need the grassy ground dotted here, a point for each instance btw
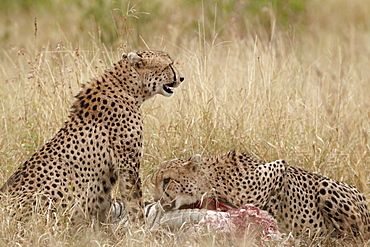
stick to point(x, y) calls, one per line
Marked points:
point(278, 81)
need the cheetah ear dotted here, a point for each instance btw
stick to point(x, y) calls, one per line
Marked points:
point(196, 158)
point(134, 58)
point(124, 55)
point(195, 162)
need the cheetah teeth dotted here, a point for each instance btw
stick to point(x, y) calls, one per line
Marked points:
point(167, 89)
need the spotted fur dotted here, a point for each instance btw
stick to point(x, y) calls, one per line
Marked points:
point(99, 146)
point(302, 202)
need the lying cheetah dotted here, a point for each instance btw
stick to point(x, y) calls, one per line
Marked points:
point(301, 202)
point(100, 145)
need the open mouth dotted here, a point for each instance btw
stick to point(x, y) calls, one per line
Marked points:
point(209, 204)
point(168, 88)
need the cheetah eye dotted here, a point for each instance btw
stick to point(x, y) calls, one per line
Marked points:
point(166, 181)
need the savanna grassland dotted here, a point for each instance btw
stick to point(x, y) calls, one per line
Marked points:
point(277, 79)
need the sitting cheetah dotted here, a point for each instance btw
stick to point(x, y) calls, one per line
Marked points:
point(100, 145)
point(301, 202)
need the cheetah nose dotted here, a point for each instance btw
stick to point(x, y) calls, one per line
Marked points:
point(156, 198)
point(181, 79)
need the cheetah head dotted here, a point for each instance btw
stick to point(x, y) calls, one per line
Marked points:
point(179, 182)
point(156, 71)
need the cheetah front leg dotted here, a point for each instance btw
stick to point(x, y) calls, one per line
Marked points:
point(130, 194)
point(125, 170)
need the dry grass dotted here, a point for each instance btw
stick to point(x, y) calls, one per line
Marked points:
point(299, 94)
